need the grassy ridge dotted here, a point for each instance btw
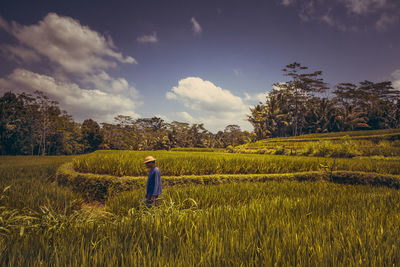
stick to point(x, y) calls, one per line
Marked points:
point(344, 144)
point(343, 148)
point(364, 134)
point(129, 163)
point(270, 223)
point(101, 186)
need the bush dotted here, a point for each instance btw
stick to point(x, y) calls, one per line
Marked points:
point(280, 151)
point(309, 149)
point(230, 149)
point(340, 149)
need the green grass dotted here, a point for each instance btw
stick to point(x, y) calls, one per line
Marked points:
point(129, 163)
point(343, 144)
point(284, 223)
point(32, 183)
point(197, 149)
point(335, 135)
point(100, 187)
point(273, 223)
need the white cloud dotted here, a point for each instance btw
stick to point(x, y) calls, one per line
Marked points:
point(187, 117)
point(81, 103)
point(396, 79)
point(214, 106)
point(201, 95)
point(150, 38)
point(258, 97)
point(349, 15)
point(216, 122)
point(164, 117)
point(287, 2)
point(328, 19)
point(105, 82)
point(67, 43)
point(385, 21)
point(170, 95)
point(196, 26)
point(76, 59)
point(364, 6)
point(19, 54)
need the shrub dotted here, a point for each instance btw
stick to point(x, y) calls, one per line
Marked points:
point(340, 149)
point(309, 149)
point(230, 149)
point(280, 151)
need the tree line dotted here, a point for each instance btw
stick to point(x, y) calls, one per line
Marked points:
point(306, 104)
point(35, 125)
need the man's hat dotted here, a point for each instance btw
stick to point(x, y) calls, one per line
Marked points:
point(149, 159)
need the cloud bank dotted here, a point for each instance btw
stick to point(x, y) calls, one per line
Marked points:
point(76, 59)
point(396, 79)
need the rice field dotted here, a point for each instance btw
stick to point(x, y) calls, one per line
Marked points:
point(171, 163)
point(361, 134)
point(341, 144)
point(269, 223)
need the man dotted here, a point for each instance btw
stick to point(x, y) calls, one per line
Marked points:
point(153, 189)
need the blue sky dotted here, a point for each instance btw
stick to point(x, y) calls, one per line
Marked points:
point(194, 61)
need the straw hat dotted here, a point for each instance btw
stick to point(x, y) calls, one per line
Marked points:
point(149, 159)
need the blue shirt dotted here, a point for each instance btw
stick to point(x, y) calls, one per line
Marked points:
point(154, 183)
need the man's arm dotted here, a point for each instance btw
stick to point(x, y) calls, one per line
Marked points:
point(157, 180)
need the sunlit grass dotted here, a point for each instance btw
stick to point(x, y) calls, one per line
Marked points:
point(285, 223)
point(130, 163)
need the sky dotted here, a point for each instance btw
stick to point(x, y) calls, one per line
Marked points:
point(193, 61)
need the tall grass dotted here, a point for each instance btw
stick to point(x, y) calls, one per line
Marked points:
point(286, 223)
point(271, 223)
point(129, 163)
point(31, 183)
point(345, 147)
point(354, 134)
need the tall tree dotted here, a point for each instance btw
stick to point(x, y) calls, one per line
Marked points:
point(91, 135)
point(286, 105)
point(301, 86)
point(12, 123)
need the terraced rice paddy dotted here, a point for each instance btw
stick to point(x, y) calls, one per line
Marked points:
point(129, 163)
point(284, 223)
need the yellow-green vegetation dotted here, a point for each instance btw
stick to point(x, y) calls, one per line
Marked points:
point(218, 209)
point(364, 134)
point(197, 149)
point(31, 182)
point(129, 163)
point(343, 144)
point(101, 186)
point(283, 223)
